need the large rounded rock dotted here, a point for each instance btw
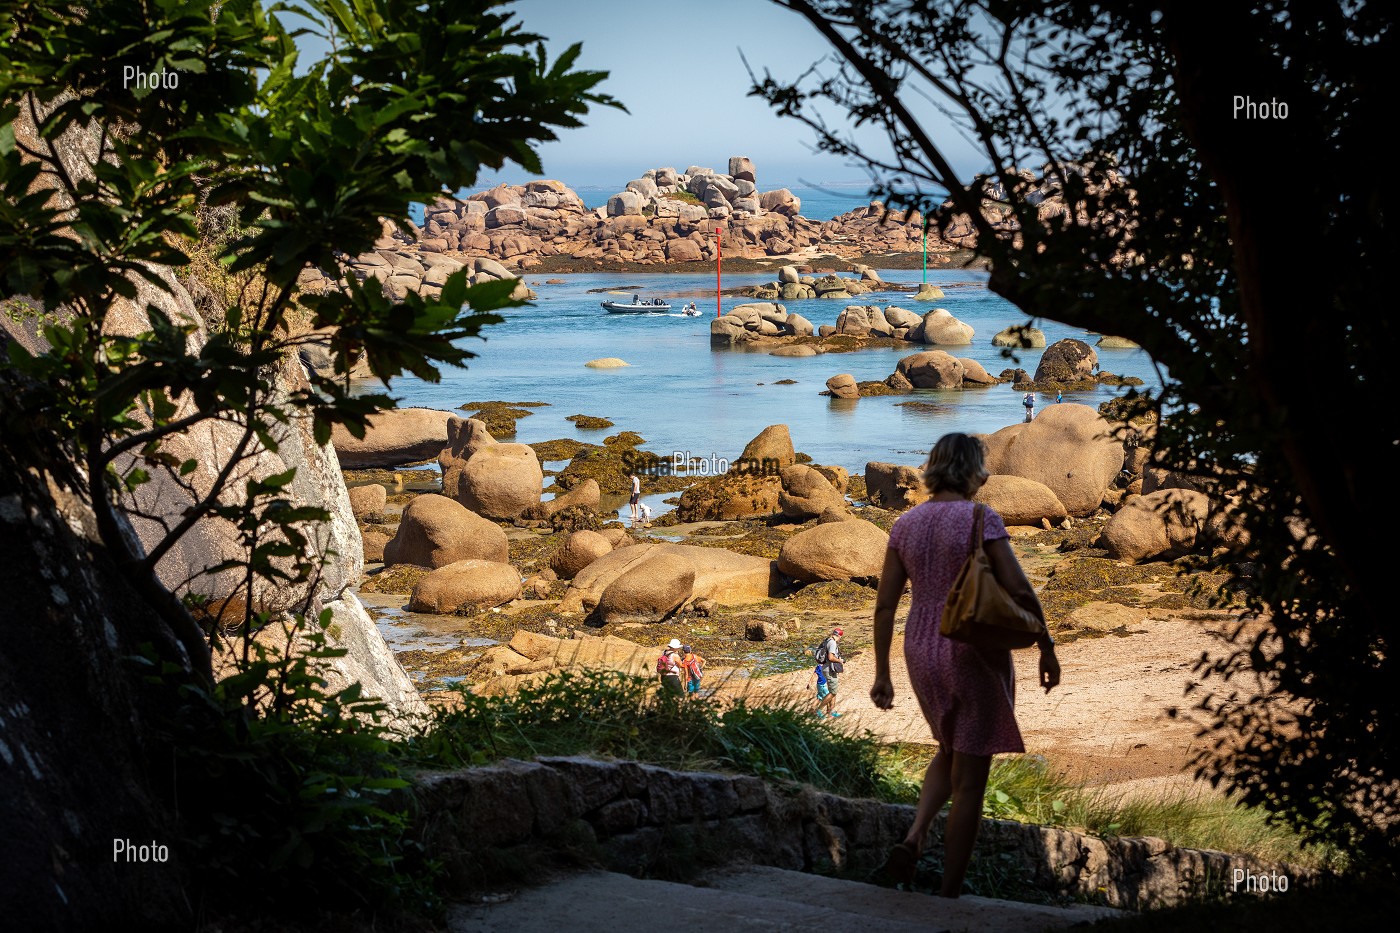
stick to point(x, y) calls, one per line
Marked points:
point(393, 438)
point(1068, 447)
point(607, 362)
point(577, 551)
point(843, 385)
point(368, 500)
point(373, 541)
point(940, 328)
point(1021, 501)
point(585, 495)
point(899, 317)
point(928, 292)
point(853, 550)
point(1116, 343)
point(464, 438)
point(807, 493)
point(649, 591)
point(1165, 523)
point(465, 582)
point(770, 451)
point(894, 487)
point(974, 373)
point(798, 326)
point(931, 369)
point(741, 167)
point(501, 481)
point(436, 531)
point(1023, 337)
point(1067, 360)
point(730, 496)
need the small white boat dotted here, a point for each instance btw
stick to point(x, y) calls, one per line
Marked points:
point(654, 306)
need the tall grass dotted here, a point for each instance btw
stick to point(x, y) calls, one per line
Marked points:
point(607, 713)
point(610, 714)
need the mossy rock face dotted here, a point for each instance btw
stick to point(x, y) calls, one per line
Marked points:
point(756, 539)
point(730, 496)
point(872, 389)
point(500, 418)
point(855, 488)
point(786, 382)
point(399, 578)
point(589, 422)
point(562, 448)
point(499, 404)
point(575, 518)
point(531, 553)
point(624, 439)
point(611, 467)
point(833, 594)
point(1135, 410)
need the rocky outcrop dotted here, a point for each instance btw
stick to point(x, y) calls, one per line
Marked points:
point(894, 487)
point(931, 369)
point(394, 438)
point(501, 481)
point(770, 451)
point(652, 588)
point(1067, 360)
point(436, 531)
point(577, 551)
point(1165, 524)
point(806, 493)
point(730, 496)
point(368, 500)
point(940, 328)
point(843, 385)
point(1068, 448)
point(1021, 501)
point(1019, 336)
point(720, 575)
point(584, 495)
point(850, 550)
point(478, 583)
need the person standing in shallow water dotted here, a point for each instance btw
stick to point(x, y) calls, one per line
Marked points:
point(635, 498)
point(966, 693)
point(1029, 403)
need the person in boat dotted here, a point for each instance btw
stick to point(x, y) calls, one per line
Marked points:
point(636, 299)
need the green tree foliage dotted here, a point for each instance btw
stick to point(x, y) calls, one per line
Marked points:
point(1124, 192)
point(134, 136)
point(119, 121)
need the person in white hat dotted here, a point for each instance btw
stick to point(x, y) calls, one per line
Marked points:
point(668, 667)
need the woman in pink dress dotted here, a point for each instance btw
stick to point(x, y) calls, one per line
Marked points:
point(967, 693)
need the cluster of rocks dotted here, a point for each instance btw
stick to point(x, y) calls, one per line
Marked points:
point(401, 263)
point(1068, 363)
point(796, 283)
point(664, 216)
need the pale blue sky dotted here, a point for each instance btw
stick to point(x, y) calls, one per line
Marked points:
point(675, 64)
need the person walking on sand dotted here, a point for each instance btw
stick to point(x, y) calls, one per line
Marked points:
point(830, 664)
point(1029, 403)
point(819, 675)
point(966, 693)
point(668, 668)
point(635, 498)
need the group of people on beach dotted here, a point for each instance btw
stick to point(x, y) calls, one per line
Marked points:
point(1029, 402)
point(681, 670)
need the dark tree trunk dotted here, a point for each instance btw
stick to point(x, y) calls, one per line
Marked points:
point(80, 765)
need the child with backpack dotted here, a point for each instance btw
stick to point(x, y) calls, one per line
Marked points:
point(829, 665)
point(693, 665)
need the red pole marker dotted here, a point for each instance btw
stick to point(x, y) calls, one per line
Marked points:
point(719, 265)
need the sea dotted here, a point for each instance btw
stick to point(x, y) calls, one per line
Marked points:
point(689, 399)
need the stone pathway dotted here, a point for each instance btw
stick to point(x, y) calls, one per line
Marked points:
point(761, 900)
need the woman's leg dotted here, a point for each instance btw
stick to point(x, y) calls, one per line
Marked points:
point(937, 787)
point(969, 779)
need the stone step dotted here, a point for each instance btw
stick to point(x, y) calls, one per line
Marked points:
point(752, 900)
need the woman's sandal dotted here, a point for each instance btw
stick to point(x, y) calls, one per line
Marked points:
point(900, 864)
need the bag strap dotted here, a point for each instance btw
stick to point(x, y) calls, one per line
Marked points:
point(978, 512)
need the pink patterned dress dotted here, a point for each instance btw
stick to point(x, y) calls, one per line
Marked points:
point(967, 694)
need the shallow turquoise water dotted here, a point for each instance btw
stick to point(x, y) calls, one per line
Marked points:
point(682, 396)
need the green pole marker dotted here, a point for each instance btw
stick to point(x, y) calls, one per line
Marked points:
point(925, 249)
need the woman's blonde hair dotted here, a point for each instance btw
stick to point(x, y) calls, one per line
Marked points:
point(958, 463)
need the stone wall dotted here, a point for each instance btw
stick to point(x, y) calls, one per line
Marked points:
point(633, 813)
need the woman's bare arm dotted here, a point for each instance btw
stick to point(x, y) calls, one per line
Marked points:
point(1013, 579)
point(892, 579)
